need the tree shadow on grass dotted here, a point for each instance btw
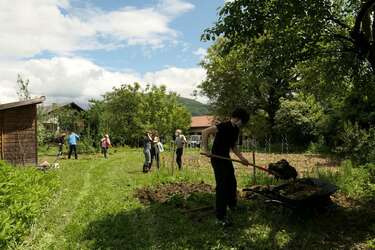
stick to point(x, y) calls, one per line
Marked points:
point(169, 226)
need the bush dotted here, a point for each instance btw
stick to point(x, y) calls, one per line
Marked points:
point(23, 194)
point(44, 136)
point(85, 146)
point(357, 182)
point(318, 147)
point(356, 144)
point(301, 119)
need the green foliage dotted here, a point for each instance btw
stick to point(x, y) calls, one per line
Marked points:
point(301, 119)
point(44, 136)
point(85, 146)
point(126, 112)
point(357, 182)
point(23, 195)
point(319, 147)
point(259, 126)
point(239, 78)
point(356, 143)
point(70, 119)
point(269, 54)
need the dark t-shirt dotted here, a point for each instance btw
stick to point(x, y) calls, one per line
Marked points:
point(146, 143)
point(60, 139)
point(225, 139)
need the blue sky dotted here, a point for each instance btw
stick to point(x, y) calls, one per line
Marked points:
point(78, 50)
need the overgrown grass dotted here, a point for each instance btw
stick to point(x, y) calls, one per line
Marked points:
point(95, 208)
point(355, 182)
point(24, 192)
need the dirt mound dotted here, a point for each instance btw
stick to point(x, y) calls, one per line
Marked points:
point(283, 170)
point(164, 193)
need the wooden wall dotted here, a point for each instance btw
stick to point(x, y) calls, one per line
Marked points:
point(18, 135)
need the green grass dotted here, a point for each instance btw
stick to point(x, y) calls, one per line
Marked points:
point(95, 208)
point(24, 193)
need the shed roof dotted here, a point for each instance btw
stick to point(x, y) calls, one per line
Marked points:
point(22, 103)
point(202, 121)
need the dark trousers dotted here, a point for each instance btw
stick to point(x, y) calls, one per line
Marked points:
point(226, 186)
point(71, 149)
point(60, 153)
point(179, 153)
point(105, 151)
point(156, 156)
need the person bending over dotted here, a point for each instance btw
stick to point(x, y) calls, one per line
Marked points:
point(226, 137)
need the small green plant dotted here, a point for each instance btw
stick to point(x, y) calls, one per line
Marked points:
point(23, 195)
point(355, 182)
point(318, 147)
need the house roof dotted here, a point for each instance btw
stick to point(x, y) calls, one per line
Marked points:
point(22, 103)
point(53, 108)
point(202, 121)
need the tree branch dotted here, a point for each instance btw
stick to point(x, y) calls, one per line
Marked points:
point(361, 14)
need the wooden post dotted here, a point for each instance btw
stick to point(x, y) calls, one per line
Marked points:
point(36, 134)
point(254, 170)
point(173, 150)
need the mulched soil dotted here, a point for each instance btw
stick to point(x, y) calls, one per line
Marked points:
point(163, 193)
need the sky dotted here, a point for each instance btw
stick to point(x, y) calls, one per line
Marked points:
point(74, 50)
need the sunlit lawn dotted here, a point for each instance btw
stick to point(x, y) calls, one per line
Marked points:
point(95, 208)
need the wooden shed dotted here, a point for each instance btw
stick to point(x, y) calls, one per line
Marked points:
point(18, 132)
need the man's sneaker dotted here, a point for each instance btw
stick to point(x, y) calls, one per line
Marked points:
point(224, 222)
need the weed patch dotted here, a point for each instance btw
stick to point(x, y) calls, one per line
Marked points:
point(23, 194)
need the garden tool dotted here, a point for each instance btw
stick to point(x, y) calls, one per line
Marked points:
point(281, 169)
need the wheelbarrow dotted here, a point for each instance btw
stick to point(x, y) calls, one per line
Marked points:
point(300, 195)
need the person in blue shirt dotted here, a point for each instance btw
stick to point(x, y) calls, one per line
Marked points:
point(72, 141)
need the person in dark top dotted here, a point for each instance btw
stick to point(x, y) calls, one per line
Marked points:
point(60, 141)
point(226, 137)
point(147, 140)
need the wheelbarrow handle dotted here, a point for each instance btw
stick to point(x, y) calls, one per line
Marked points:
point(239, 161)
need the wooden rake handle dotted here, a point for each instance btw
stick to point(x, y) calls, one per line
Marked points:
point(239, 161)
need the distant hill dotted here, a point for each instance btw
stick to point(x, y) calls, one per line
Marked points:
point(195, 107)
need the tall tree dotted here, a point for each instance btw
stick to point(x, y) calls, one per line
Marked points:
point(297, 30)
point(239, 77)
point(126, 112)
point(23, 88)
point(326, 47)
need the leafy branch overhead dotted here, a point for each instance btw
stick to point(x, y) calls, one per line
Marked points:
point(308, 62)
point(295, 31)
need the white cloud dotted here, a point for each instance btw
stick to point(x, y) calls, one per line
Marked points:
point(63, 79)
point(135, 26)
point(175, 7)
point(180, 80)
point(30, 27)
point(201, 52)
point(33, 26)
